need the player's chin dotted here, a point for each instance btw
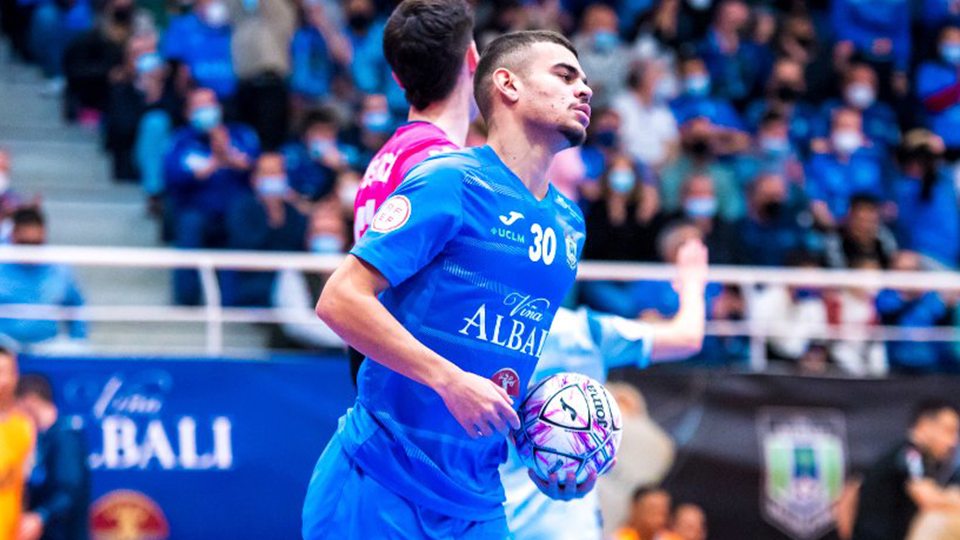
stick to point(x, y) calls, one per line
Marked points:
point(575, 134)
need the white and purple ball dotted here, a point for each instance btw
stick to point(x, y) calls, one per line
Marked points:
point(569, 423)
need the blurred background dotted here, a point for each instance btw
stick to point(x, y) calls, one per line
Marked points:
point(812, 145)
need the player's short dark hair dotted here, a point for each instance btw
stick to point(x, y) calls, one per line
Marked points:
point(424, 42)
point(929, 408)
point(28, 215)
point(34, 384)
point(496, 54)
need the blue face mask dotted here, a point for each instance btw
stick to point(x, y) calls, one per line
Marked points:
point(700, 207)
point(148, 63)
point(377, 122)
point(697, 85)
point(205, 118)
point(326, 244)
point(320, 147)
point(622, 180)
point(775, 145)
point(950, 52)
point(272, 185)
point(607, 139)
point(605, 41)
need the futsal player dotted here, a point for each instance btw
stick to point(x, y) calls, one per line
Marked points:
point(450, 294)
point(429, 46)
point(591, 343)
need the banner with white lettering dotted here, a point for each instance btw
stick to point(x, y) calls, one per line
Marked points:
point(199, 449)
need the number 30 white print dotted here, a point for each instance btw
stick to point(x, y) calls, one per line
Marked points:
point(544, 244)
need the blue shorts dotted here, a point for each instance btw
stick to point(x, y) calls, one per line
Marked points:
point(343, 503)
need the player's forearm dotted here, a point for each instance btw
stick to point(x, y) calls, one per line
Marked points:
point(682, 336)
point(360, 319)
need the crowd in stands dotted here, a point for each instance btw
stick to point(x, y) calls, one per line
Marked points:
point(805, 133)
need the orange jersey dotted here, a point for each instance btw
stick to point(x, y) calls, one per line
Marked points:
point(17, 436)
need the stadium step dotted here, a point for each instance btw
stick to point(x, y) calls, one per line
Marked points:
point(65, 165)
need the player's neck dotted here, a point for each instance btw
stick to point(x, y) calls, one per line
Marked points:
point(451, 115)
point(528, 159)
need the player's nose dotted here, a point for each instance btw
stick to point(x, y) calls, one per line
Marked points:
point(584, 92)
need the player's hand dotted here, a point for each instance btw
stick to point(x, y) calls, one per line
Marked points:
point(479, 405)
point(568, 490)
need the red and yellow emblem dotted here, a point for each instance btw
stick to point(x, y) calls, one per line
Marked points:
point(127, 515)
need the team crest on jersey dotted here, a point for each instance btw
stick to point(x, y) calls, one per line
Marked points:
point(804, 462)
point(507, 379)
point(392, 215)
point(571, 243)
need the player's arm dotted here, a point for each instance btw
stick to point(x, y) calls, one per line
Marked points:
point(927, 495)
point(682, 336)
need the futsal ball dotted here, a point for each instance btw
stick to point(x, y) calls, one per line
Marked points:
point(568, 423)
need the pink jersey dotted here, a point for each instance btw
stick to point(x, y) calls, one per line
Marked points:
point(409, 145)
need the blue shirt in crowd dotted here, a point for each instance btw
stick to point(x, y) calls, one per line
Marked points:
point(312, 68)
point(190, 151)
point(370, 71)
point(932, 78)
point(931, 226)
point(770, 243)
point(835, 181)
point(205, 50)
point(800, 120)
point(864, 21)
point(734, 76)
point(936, 13)
point(718, 110)
point(925, 311)
point(879, 123)
point(39, 284)
point(477, 268)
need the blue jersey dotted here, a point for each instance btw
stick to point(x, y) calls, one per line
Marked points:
point(477, 268)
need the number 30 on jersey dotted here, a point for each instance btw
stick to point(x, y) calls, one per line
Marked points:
point(544, 244)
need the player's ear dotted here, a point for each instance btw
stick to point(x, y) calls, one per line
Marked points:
point(472, 58)
point(507, 84)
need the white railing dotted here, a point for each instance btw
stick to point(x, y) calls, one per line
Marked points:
point(215, 315)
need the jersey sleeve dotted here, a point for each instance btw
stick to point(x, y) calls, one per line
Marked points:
point(622, 342)
point(428, 149)
point(415, 223)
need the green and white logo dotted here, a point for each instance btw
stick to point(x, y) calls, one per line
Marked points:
point(804, 463)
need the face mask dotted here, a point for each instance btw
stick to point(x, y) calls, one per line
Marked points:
point(272, 185)
point(774, 145)
point(359, 22)
point(847, 142)
point(320, 147)
point(326, 244)
point(699, 5)
point(699, 149)
point(377, 122)
point(787, 93)
point(622, 180)
point(665, 90)
point(950, 52)
point(861, 96)
point(205, 118)
point(605, 41)
point(4, 182)
point(216, 14)
point(697, 85)
point(700, 207)
point(607, 139)
point(148, 63)
point(771, 210)
point(348, 194)
point(123, 15)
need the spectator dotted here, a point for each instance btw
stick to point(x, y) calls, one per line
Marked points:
point(794, 315)
point(54, 24)
point(603, 56)
point(17, 435)
point(206, 170)
point(698, 202)
point(696, 102)
point(314, 161)
point(201, 41)
point(734, 64)
point(928, 217)
point(842, 168)
point(938, 86)
point(907, 478)
point(319, 49)
point(648, 128)
point(702, 142)
point(916, 309)
point(688, 523)
point(262, 33)
point(273, 218)
point(863, 236)
point(774, 152)
point(880, 31)
point(859, 91)
point(91, 61)
point(296, 292)
point(37, 284)
point(369, 70)
point(58, 491)
point(649, 515)
point(376, 125)
point(126, 105)
point(772, 228)
point(162, 108)
point(854, 309)
point(784, 95)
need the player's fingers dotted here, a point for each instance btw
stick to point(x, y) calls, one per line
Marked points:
point(587, 485)
point(510, 415)
point(483, 429)
point(570, 485)
point(554, 486)
point(470, 428)
point(499, 425)
point(503, 393)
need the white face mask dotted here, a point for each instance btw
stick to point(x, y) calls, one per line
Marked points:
point(348, 194)
point(4, 182)
point(861, 96)
point(216, 14)
point(847, 142)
